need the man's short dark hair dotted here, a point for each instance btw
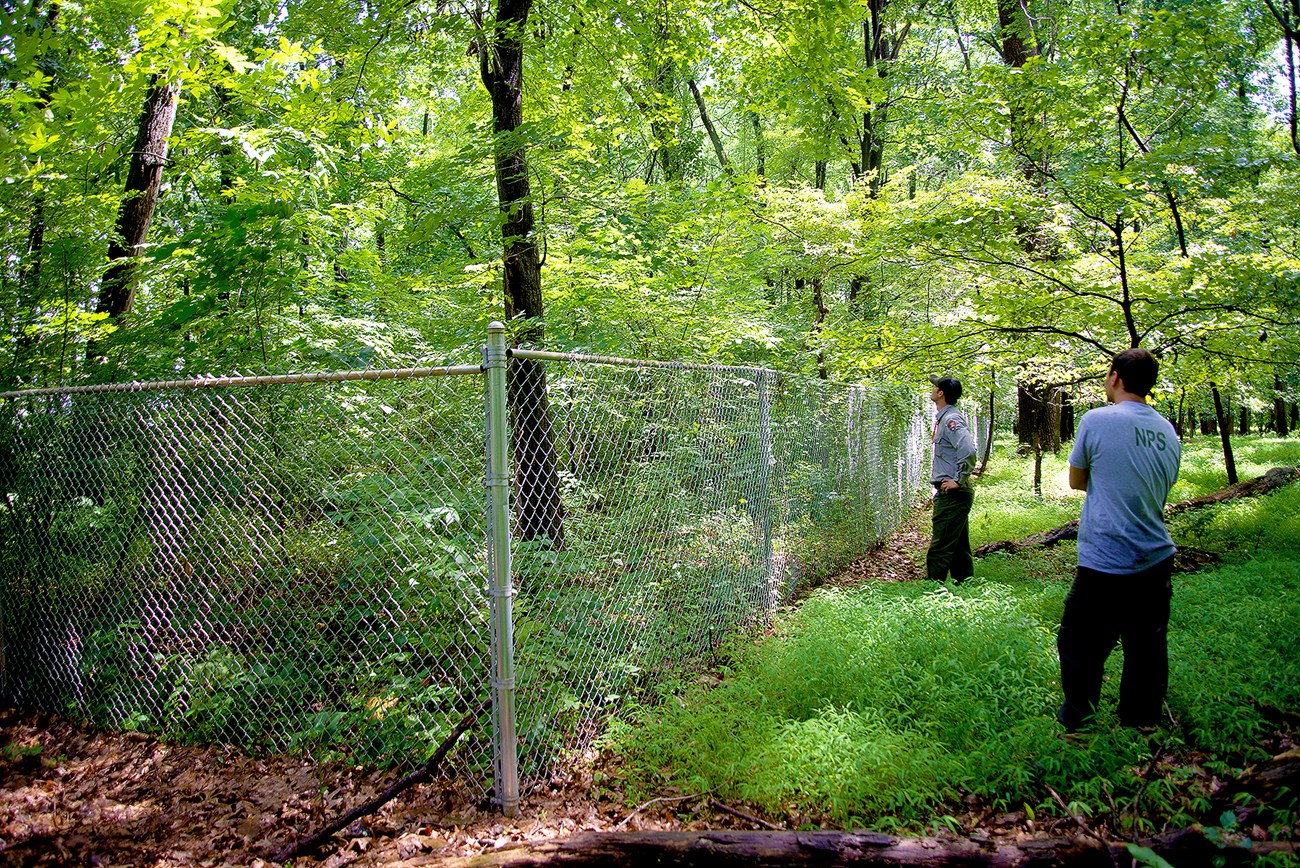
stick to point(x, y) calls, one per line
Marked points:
point(950, 386)
point(1138, 370)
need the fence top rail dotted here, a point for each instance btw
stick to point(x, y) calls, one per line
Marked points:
point(542, 355)
point(239, 381)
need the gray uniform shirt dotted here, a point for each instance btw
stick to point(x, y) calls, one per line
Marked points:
point(1131, 454)
point(954, 447)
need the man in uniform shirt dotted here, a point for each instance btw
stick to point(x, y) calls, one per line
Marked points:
point(1126, 457)
point(950, 469)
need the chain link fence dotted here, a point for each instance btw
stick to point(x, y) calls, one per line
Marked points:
point(283, 566)
point(308, 566)
point(695, 501)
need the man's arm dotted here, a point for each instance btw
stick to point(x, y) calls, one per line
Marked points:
point(1078, 478)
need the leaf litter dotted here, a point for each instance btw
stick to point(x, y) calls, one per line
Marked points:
point(73, 796)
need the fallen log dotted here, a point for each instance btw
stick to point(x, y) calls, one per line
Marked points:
point(1046, 539)
point(1269, 482)
point(1268, 781)
point(825, 849)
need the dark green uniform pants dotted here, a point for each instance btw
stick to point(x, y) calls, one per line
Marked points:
point(1103, 609)
point(950, 544)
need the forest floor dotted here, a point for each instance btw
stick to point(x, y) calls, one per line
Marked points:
point(73, 796)
point(70, 795)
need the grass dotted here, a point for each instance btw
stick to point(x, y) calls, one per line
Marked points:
point(1006, 507)
point(894, 706)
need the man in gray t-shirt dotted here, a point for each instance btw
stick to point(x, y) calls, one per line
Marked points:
point(1126, 457)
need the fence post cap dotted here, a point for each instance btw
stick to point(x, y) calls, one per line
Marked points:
point(496, 326)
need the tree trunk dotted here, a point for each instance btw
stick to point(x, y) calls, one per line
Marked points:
point(708, 126)
point(877, 51)
point(143, 182)
point(1287, 13)
point(29, 269)
point(1179, 427)
point(1243, 422)
point(539, 512)
point(819, 293)
point(1279, 408)
point(873, 150)
point(41, 20)
point(226, 152)
point(1067, 417)
point(1038, 420)
point(760, 148)
point(819, 303)
point(29, 266)
point(1015, 30)
point(1225, 434)
point(664, 131)
point(1266, 484)
point(1293, 121)
point(29, 289)
point(988, 442)
point(1166, 190)
point(1017, 46)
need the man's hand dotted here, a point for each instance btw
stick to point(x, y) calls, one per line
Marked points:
point(948, 485)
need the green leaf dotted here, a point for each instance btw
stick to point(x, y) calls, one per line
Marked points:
point(185, 310)
point(1147, 856)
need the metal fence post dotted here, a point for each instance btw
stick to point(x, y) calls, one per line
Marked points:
point(773, 591)
point(501, 589)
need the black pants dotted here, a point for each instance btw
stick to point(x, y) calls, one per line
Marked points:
point(1100, 610)
point(950, 543)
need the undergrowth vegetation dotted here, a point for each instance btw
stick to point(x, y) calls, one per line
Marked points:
point(899, 706)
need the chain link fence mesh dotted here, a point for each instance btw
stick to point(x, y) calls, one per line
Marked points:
point(305, 567)
point(693, 501)
point(287, 568)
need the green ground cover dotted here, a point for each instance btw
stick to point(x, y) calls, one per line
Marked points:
point(1006, 508)
point(896, 706)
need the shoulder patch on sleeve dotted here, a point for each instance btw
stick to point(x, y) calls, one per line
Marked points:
point(952, 424)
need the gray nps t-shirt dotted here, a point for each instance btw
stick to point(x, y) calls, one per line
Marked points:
point(1131, 454)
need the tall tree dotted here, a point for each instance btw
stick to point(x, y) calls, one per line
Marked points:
point(881, 44)
point(540, 511)
point(1287, 15)
point(140, 197)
